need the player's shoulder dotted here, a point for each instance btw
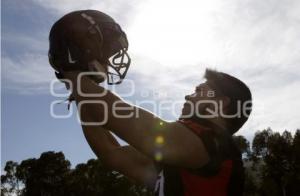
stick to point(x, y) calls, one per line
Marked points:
point(177, 125)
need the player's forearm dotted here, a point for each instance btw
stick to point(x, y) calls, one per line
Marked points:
point(134, 165)
point(140, 132)
point(101, 106)
point(100, 140)
point(91, 98)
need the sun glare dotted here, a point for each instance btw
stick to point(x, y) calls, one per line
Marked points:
point(175, 33)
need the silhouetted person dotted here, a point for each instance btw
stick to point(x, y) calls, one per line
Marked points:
point(192, 156)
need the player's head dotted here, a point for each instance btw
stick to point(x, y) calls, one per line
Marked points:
point(89, 40)
point(223, 94)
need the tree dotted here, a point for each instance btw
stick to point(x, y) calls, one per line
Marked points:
point(276, 154)
point(272, 168)
point(293, 187)
point(94, 179)
point(259, 144)
point(44, 176)
point(243, 144)
point(51, 175)
point(10, 184)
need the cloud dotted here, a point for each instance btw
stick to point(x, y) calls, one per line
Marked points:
point(27, 73)
point(276, 108)
point(172, 42)
point(25, 43)
point(256, 33)
point(118, 9)
point(25, 38)
point(256, 41)
point(227, 33)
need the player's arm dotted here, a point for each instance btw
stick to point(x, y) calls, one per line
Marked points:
point(124, 159)
point(179, 145)
point(133, 164)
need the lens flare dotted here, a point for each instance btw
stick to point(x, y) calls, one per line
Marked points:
point(159, 140)
point(158, 156)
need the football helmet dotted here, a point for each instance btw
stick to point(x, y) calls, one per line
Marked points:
point(89, 40)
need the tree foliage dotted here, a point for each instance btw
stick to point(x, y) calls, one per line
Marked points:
point(275, 159)
point(243, 144)
point(272, 168)
point(51, 174)
point(9, 181)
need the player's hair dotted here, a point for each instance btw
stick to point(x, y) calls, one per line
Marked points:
point(238, 92)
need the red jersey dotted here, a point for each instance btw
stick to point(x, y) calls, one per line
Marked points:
point(223, 175)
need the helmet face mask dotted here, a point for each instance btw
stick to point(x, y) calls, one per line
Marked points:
point(86, 41)
point(118, 67)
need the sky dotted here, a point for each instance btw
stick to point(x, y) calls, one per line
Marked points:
point(171, 44)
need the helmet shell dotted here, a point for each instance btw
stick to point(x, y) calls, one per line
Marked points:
point(84, 36)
